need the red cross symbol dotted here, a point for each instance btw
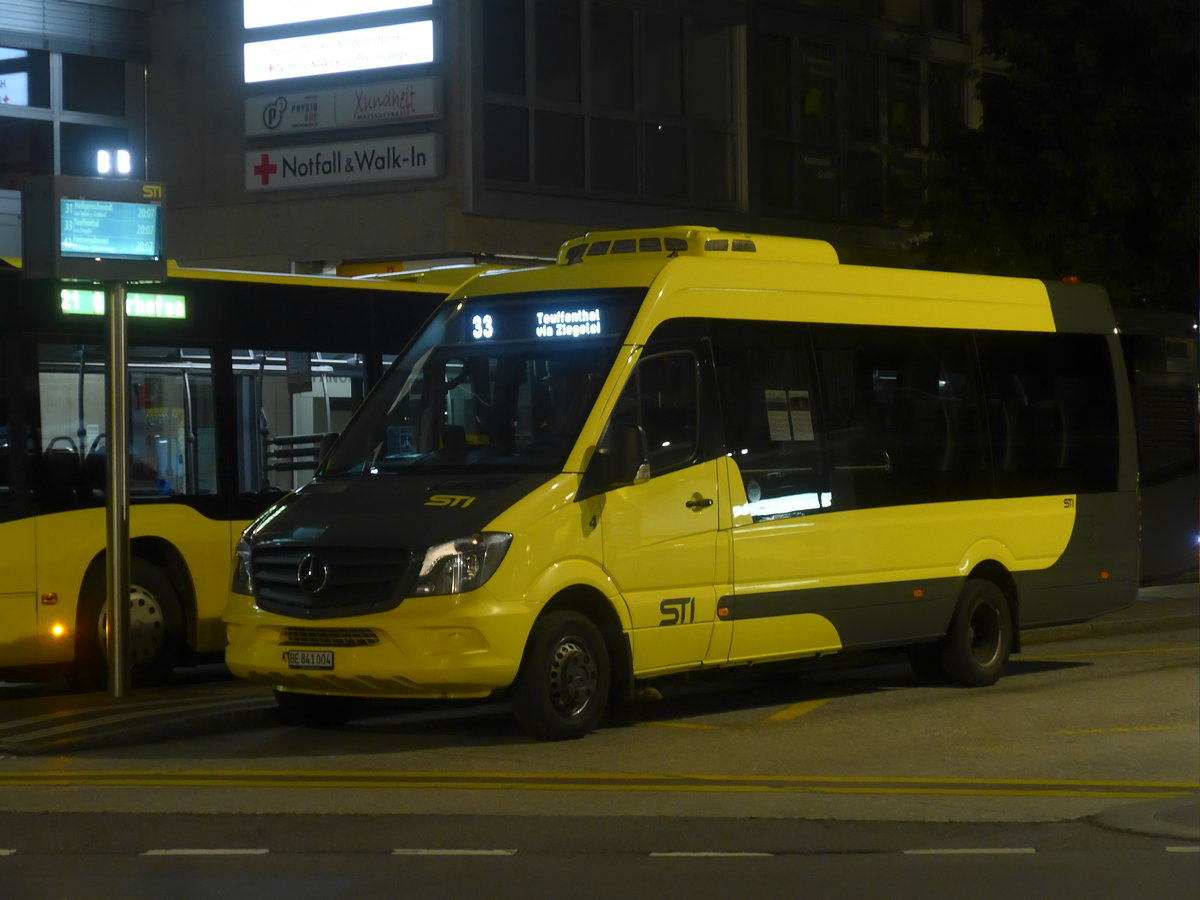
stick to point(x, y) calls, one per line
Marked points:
point(265, 169)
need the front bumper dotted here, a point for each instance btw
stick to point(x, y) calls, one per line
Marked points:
point(428, 647)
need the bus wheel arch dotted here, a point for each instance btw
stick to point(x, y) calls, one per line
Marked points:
point(576, 660)
point(161, 613)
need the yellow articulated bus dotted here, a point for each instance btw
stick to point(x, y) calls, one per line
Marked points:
point(680, 449)
point(233, 379)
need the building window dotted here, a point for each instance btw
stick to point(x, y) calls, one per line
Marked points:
point(26, 148)
point(24, 78)
point(61, 113)
point(841, 133)
point(93, 85)
point(606, 100)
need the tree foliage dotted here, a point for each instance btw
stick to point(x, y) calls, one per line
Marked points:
point(1085, 162)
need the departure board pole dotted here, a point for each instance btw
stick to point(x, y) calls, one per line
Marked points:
point(116, 417)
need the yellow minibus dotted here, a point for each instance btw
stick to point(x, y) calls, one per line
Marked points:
point(678, 449)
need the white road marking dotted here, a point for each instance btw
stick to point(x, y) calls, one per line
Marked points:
point(209, 851)
point(716, 853)
point(452, 851)
point(966, 851)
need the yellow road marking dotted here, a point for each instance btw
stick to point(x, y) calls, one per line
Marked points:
point(1127, 729)
point(607, 782)
point(796, 710)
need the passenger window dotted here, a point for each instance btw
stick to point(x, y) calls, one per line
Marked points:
point(772, 427)
point(171, 438)
point(902, 415)
point(1051, 412)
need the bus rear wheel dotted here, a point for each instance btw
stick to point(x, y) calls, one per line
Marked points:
point(562, 688)
point(976, 648)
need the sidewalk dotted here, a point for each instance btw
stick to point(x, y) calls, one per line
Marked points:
point(1157, 608)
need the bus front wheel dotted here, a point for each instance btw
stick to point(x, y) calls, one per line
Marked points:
point(562, 688)
point(155, 636)
point(977, 645)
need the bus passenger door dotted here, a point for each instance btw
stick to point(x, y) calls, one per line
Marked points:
point(18, 599)
point(18, 588)
point(660, 532)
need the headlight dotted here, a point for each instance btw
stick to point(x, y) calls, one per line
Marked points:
point(461, 565)
point(243, 580)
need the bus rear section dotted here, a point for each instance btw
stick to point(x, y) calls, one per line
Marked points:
point(684, 449)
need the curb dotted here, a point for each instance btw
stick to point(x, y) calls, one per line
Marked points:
point(1157, 818)
point(1100, 627)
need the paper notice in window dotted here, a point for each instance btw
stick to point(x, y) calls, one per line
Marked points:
point(801, 416)
point(777, 415)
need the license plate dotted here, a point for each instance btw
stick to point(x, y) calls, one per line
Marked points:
point(310, 659)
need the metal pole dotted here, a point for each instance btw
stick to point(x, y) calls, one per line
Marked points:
point(116, 416)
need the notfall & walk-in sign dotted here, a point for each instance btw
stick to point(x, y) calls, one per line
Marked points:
point(393, 158)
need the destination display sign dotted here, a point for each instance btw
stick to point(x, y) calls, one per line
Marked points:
point(80, 302)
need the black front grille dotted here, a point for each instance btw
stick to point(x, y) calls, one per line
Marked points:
point(321, 582)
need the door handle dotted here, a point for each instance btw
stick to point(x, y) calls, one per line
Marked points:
point(699, 503)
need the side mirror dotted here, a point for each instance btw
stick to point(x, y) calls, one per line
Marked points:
point(619, 460)
point(624, 455)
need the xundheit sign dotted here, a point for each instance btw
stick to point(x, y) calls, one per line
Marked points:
point(345, 162)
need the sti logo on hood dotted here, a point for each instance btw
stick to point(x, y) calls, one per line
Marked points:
point(460, 500)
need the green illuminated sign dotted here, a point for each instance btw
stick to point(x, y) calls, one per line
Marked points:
point(76, 302)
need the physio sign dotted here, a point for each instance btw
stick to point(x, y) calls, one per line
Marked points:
point(379, 103)
point(391, 158)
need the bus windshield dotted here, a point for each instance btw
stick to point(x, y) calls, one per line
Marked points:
point(498, 383)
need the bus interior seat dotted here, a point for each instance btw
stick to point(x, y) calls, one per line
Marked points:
point(60, 470)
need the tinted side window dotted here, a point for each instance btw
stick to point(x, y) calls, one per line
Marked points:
point(771, 427)
point(1052, 412)
point(663, 400)
point(901, 415)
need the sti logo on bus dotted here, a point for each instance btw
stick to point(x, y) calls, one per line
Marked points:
point(680, 611)
point(460, 500)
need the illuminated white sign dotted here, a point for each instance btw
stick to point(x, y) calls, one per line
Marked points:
point(261, 13)
point(385, 102)
point(14, 89)
point(407, 44)
point(579, 323)
point(379, 159)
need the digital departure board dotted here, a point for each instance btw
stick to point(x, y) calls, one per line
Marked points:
point(93, 229)
point(109, 228)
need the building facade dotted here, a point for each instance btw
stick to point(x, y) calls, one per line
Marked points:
point(310, 136)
